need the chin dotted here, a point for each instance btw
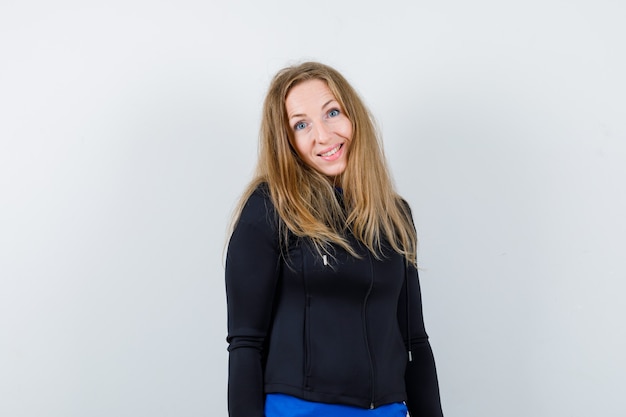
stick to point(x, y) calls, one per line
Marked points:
point(334, 173)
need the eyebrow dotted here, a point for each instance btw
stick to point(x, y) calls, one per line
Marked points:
point(323, 107)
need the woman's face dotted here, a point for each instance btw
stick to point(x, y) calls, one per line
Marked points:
point(321, 130)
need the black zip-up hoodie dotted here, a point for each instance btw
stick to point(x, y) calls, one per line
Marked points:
point(332, 328)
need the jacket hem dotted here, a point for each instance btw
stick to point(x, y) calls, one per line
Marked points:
point(332, 398)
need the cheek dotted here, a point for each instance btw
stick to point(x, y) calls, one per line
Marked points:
point(302, 146)
point(347, 131)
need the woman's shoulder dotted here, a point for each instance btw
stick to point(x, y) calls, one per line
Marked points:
point(403, 204)
point(258, 208)
point(262, 190)
point(259, 197)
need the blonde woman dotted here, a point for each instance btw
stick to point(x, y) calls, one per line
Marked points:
point(324, 307)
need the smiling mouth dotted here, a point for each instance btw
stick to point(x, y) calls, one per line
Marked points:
point(332, 151)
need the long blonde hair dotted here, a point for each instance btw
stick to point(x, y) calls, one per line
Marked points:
point(305, 200)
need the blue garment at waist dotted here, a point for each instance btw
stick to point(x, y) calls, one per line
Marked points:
point(281, 405)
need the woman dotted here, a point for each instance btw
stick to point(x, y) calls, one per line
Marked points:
point(324, 307)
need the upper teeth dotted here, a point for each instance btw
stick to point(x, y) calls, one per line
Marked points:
point(332, 151)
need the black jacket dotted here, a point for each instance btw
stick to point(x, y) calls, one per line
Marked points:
point(331, 329)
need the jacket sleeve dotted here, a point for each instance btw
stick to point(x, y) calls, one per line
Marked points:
point(422, 387)
point(252, 269)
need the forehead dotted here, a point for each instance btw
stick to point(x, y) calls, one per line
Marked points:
point(310, 93)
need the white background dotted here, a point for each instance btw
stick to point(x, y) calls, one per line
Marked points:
point(128, 129)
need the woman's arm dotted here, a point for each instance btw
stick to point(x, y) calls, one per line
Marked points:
point(252, 269)
point(422, 387)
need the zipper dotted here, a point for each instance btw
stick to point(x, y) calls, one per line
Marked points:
point(367, 346)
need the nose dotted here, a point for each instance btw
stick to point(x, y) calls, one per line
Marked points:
point(322, 133)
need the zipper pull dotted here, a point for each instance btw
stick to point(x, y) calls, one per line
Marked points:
point(325, 259)
point(371, 406)
point(410, 356)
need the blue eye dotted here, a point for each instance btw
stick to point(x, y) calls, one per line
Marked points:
point(299, 126)
point(333, 113)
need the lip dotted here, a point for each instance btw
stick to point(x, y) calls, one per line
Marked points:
point(334, 156)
